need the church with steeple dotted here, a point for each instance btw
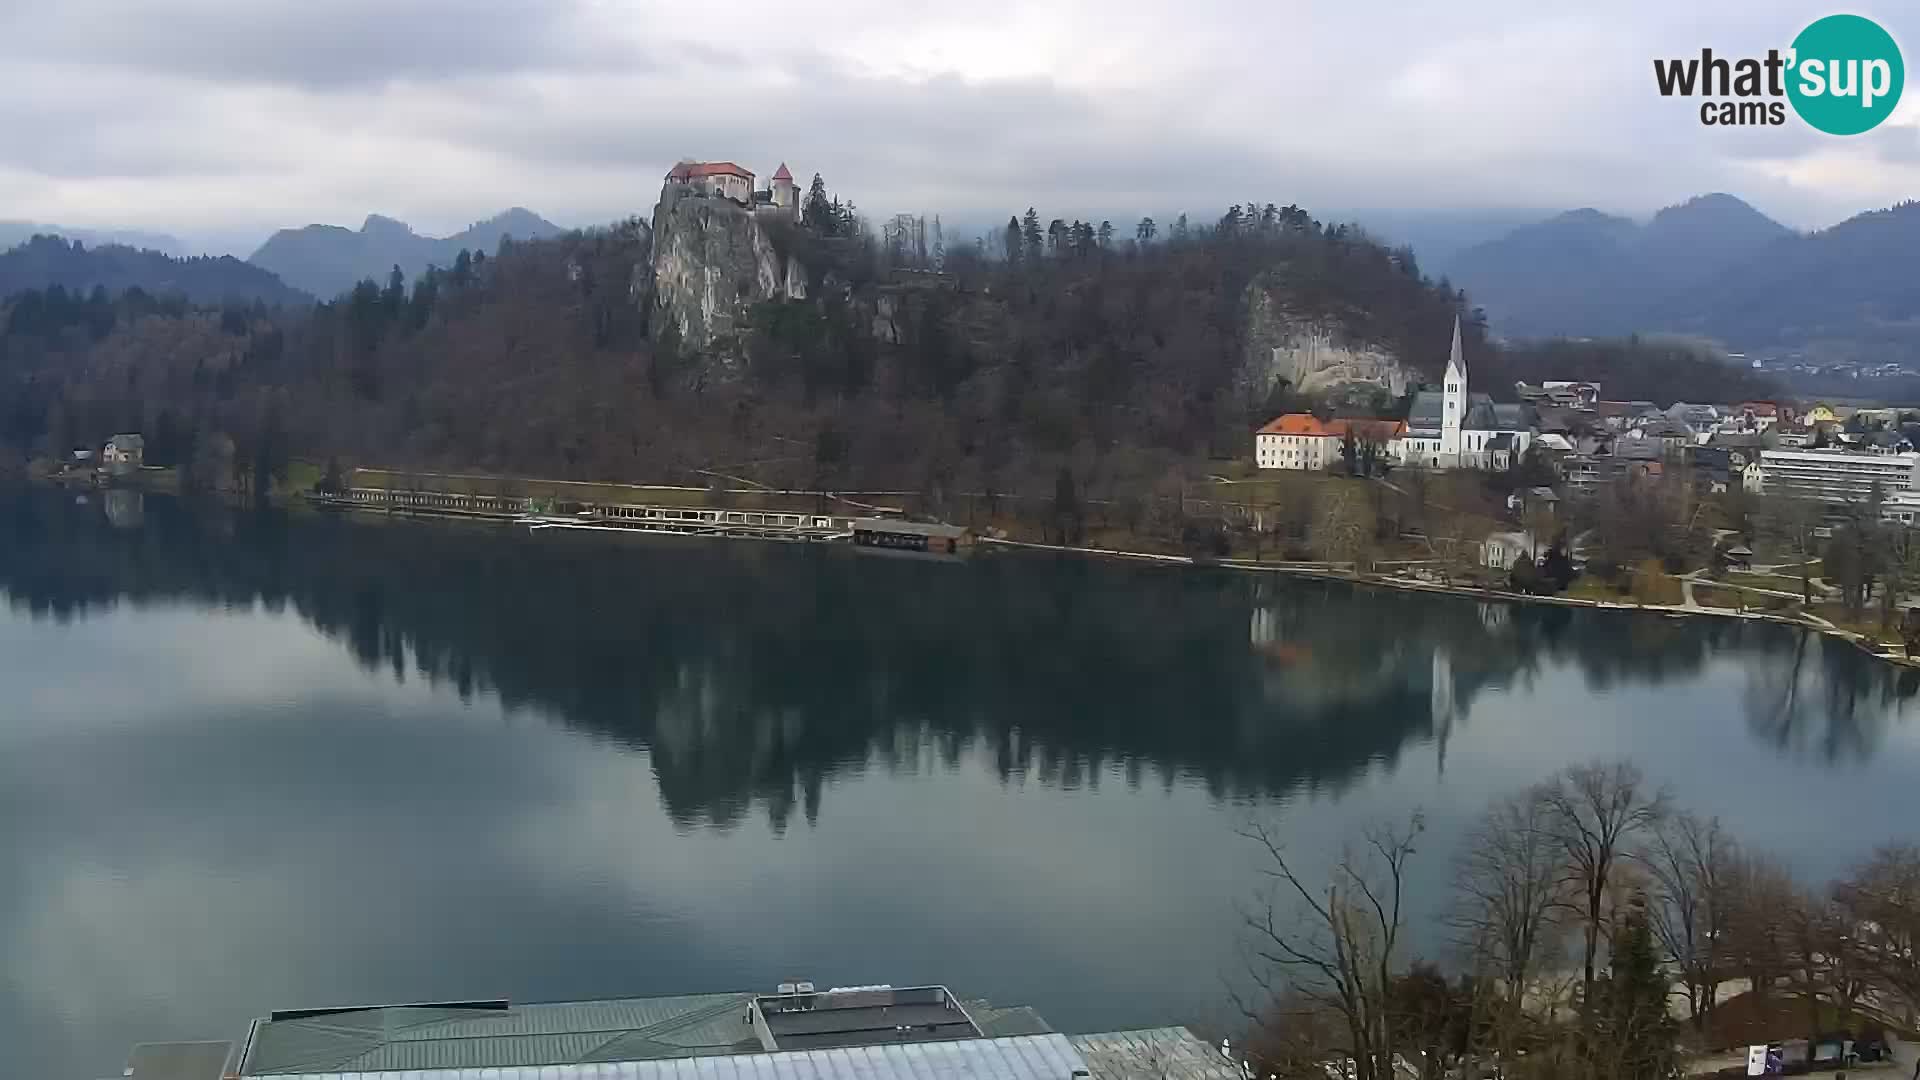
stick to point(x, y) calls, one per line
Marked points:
point(1454, 428)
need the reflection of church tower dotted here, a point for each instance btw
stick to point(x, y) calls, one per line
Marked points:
point(1440, 705)
point(1455, 409)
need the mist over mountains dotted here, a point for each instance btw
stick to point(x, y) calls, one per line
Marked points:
point(327, 260)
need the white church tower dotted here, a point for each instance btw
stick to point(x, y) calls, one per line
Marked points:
point(1455, 410)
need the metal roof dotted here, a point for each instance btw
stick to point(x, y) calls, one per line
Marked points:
point(1021, 1057)
point(909, 528)
point(430, 1037)
point(1169, 1053)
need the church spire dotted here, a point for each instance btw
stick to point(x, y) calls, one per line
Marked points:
point(1454, 360)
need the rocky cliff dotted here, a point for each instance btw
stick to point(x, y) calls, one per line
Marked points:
point(1312, 356)
point(713, 260)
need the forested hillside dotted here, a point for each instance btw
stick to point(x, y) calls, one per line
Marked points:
point(1123, 358)
point(45, 261)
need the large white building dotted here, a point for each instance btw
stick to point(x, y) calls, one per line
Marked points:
point(1836, 476)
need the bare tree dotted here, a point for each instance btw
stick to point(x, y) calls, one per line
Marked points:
point(1507, 881)
point(1692, 861)
point(1342, 528)
point(1598, 811)
point(1793, 520)
point(1881, 902)
point(1337, 949)
point(1756, 939)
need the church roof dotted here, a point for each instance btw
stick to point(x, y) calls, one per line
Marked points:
point(1428, 407)
point(781, 173)
point(1484, 415)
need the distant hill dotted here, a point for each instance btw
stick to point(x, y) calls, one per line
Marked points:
point(1585, 273)
point(1852, 290)
point(1712, 267)
point(45, 261)
point(327, 260)
point(15, 233)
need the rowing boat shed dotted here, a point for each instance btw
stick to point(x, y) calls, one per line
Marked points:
point(857, 1033)
point(910, 535)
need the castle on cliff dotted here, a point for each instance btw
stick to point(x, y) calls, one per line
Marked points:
point(725, 180)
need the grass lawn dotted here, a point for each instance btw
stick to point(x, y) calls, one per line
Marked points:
point(1780, 582)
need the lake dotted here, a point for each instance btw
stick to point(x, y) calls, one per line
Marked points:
point(251, 762)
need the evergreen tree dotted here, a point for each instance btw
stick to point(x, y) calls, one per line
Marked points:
point(1634, 1032)
point(394, 297)
point(1015, 245)
point(463, 269)
point(1056, 236)
point(818, 212)
point(1106, 235)
point(1144, 231)
point(1030, 235)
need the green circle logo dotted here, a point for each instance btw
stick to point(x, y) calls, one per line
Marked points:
point(1846, 74)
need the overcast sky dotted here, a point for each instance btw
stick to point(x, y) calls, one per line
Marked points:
point(220, 120)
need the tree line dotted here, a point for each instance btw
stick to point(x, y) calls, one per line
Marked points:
point(1119, 360)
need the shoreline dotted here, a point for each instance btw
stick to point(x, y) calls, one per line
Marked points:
point(1320, 571)
point(1324, 573)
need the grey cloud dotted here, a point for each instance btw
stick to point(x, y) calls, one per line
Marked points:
point(218, 116)
point(328, 45)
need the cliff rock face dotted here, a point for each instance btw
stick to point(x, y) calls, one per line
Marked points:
point(1310, 355)
point(713, 260)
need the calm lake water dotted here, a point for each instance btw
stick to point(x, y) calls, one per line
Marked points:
point(251, 762)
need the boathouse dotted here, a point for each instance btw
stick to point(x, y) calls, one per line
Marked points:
point(910, 535)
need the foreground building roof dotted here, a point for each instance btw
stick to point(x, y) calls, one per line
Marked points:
point(730, 1036)
point(1020, 1057)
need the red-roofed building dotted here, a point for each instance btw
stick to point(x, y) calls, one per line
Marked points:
point(715, 178)
point(1295, 441)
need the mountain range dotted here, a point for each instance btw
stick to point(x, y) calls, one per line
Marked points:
point(1586, 273)
point(1711, 266)
point(14, 233)
point(45, 261)
point(327, 260)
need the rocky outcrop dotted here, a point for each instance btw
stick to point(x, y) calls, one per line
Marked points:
point(1312, 356)
point(713, 260)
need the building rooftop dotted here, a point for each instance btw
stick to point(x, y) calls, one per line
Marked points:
point(1020, 1057)
point(805, 1020)
point(900, 527)
point(1170, 1053)
point(501, 1035)
point(497, 1034)
point(688, 170)
point(1294, 424)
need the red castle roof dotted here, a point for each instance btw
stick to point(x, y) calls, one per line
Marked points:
point(688, 170)
point(782, 173)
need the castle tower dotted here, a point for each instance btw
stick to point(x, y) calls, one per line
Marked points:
point(785, 195)
point(1455, 395)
